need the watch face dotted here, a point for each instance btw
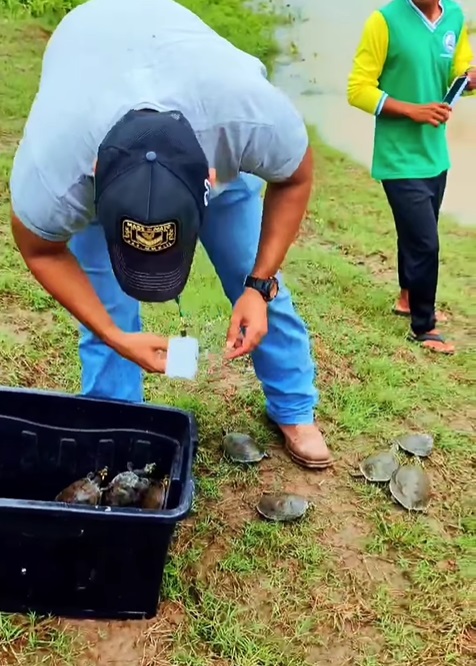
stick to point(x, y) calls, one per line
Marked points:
point(273, 289)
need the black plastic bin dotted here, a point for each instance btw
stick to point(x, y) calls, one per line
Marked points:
point(76, 561)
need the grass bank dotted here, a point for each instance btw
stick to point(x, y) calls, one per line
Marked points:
point(358, 581)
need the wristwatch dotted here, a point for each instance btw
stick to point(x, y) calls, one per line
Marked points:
point(268, 288)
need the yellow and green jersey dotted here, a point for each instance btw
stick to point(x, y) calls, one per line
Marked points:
point(404, 56)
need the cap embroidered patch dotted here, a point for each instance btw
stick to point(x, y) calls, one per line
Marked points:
point(149, 238)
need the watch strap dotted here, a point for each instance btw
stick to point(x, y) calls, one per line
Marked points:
point(262, 285)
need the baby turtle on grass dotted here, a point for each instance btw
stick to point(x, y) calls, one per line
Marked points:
point(242, 448)
point(420, 445)
point(155, 496)
point(379, 467)
point(84, 491)
point(129, 488)
point(410, 486)
point(282, 507)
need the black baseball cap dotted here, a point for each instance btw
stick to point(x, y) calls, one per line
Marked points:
point(151, 192)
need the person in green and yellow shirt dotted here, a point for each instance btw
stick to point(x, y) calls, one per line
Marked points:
point(408, 56)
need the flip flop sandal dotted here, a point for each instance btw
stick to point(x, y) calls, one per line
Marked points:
point(430, 337)
point(400, 313)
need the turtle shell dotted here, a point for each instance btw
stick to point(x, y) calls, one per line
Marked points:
point(420, 444)
point(282, 507)
point(410, 486)
point(84, 491)
point(242, 448)
point(155, 496)
point(126, 489)
point(379, 467)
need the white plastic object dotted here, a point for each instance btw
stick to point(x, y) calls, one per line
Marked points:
point(182, 358)
point(456, 89)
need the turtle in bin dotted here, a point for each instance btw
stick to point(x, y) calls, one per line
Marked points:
point(129, 488)
point(84, 491)
point(155, 496)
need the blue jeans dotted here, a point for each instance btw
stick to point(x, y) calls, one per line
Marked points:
point(230, 236)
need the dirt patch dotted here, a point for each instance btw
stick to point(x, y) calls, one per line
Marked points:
point(112, 643)
point(464, 424)
point(36, 32)
point(8, 143)
point(327, 656)
point(228, 378)
point(18, 324)
point(364, 640)
point(381, 265)
point(157, 639)
point(468, 641)
point(351, 535)
point(9, 330)
point(333, 366)
point(235, 507)
point(307, 230)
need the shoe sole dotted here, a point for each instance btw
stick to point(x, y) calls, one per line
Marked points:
point(309, 464)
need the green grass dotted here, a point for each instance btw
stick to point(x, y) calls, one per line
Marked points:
point(234, 19)
point(358, 581)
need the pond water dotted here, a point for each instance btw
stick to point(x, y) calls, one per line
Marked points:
point(326, 34)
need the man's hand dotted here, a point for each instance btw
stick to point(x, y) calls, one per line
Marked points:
point(429, 114)
point(249, 324)
point(147, 350)
point(425, 114)
point(60, 274)
point(472, 79)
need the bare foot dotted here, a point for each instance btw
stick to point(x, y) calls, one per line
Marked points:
point(402, 308)
point(441, 318)
point(403, 302)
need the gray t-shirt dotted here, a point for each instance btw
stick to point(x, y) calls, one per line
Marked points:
point(108, 56)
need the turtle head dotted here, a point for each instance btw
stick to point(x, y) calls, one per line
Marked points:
point(150, 468)
point(99, 476)
point(102, 474)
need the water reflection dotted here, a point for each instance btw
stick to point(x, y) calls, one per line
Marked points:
point(327, 36)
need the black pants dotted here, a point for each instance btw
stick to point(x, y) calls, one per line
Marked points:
point(416, 204)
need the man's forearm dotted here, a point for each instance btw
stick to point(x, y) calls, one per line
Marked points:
point(57, 270)
point(64, 279)
point(284, 208)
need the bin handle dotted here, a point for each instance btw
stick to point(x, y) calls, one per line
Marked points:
point(53, 532)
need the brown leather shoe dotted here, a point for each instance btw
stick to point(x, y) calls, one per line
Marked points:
point(306, 446)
